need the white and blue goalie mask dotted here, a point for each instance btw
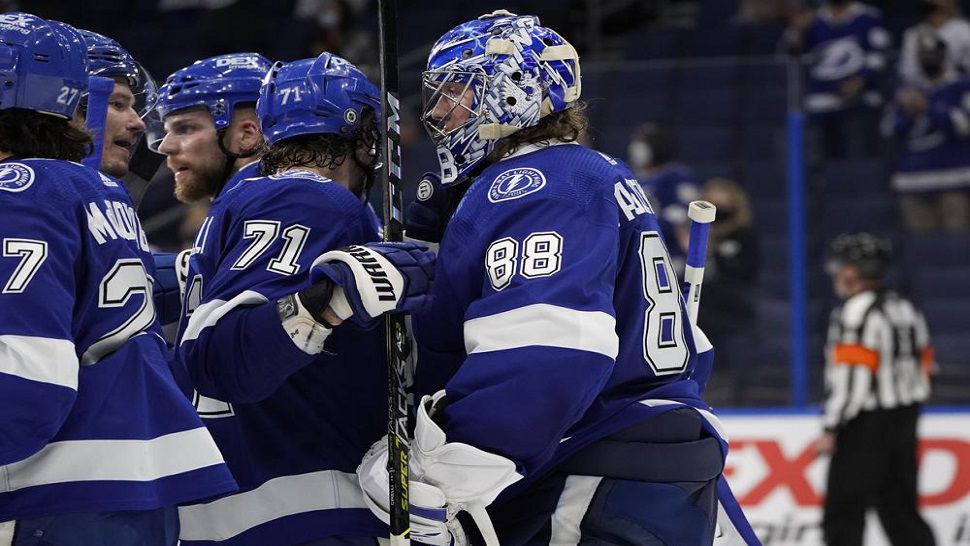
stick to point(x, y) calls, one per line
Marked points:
point(487, 79)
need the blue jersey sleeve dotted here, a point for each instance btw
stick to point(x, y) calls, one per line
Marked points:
point(234, 346)
point(166, 294)
point(38, 360)
point(540, 340)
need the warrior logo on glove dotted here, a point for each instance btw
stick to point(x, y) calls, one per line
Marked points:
point(382, 284)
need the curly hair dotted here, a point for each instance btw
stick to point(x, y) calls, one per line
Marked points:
point(568, 125)
point(26, 133)
point(327, 151)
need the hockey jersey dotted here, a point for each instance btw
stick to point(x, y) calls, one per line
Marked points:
point(292, 426)
point(841, 49)
point(90, 416)
point(557, 318)
point(936, 145)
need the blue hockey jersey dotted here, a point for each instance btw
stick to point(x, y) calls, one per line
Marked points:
point(842, 49)
point(557, 318)
point(935, 145)
point(90, 416)
point(292, 426)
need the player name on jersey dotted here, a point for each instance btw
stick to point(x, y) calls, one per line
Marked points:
point(113, 220)
point(629, 195)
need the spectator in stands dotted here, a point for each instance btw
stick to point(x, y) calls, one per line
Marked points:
point(762, 12)
point(877, 377)
point(669, 184)
point(932, 125)
point(727, 313)
point(943, 17)
point(845, 45)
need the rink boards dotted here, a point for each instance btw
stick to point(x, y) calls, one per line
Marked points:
point(780, 483)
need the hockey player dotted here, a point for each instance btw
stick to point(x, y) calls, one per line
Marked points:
point(555, 358)
point(97, 443)
point(133, 90)
point(211, 130)
point(215, 140)
point(292, 405)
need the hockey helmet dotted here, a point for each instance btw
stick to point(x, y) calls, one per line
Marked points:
point(487, 79)
point(43, 66)
point(871, 254)
point(217, 83)
point(325, 95)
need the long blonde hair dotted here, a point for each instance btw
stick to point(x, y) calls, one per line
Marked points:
point(739, 202)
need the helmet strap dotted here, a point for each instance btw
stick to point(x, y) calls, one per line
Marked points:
point(231, 157)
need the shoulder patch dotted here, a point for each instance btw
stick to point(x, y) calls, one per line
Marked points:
point(15, 177)
point(298, 173)
point(515, 183)
point(107, 180)
point(425, 190)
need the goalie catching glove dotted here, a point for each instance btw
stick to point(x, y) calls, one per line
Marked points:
point(445, 478)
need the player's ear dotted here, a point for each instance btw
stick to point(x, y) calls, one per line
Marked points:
point(248, 135)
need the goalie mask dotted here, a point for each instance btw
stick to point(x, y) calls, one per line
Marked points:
point(489, 78)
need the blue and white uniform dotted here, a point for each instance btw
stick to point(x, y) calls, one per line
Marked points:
point(557, 322)
point(292, 425)
point(935, 145)
point(91, 419)
point(854, 45)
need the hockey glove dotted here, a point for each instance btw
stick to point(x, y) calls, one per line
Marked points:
point(445, 478)
point(376, 278)
point(425, 220)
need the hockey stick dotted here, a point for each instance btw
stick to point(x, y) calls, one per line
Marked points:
point(99, 91)
point(398, 339)
point(701, 214)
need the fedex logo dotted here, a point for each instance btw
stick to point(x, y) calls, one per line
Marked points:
point(761, 468)
point(238, 62)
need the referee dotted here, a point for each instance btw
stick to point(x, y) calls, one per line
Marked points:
point(879, 361)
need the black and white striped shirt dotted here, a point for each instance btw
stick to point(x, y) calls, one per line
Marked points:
point(879, 356)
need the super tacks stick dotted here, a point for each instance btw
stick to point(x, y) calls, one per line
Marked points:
point(398, 341)
point(701, 214)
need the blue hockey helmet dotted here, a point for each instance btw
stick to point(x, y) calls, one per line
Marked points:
point(43, 66)
point(217, 83)
point(325, 95)
point(490, 77)
point(107, 58)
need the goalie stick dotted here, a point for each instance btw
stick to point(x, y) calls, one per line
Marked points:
point(701, 214)
point(397, 337)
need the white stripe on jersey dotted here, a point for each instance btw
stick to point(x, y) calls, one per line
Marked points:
point(573, 504)
point(229, 516)
point(115, 460)
point(43, 359)
point(892, 327)
point(210, 312)
point(543, 325)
